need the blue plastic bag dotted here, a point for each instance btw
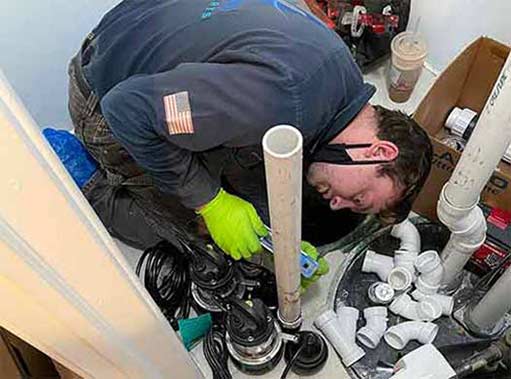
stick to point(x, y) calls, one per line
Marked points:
point(77, 160)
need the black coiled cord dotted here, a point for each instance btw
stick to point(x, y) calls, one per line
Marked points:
point(167, 279)
point(215, 351)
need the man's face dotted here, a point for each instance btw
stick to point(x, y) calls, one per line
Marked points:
point(359, 188)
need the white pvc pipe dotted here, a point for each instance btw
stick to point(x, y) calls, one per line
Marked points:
point(482, 154)
point(409, 236)
point(398, 336)
point(375, 327)
point(493, 307)
point(340, 329)
point(282, 147)
point(486, 146)
point(468, 234)
point(348, 317)
point(379, 264)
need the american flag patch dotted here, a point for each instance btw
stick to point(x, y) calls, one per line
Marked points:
point(178, 113)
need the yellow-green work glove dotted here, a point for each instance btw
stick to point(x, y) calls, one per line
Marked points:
point(321, 270)
point(234, 225)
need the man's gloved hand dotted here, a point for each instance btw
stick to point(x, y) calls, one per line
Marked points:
point(322, 268)
point(234, 225)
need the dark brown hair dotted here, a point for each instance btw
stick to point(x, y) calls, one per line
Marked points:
point(411, 167)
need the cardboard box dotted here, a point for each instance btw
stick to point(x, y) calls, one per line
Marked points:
point(19, 360)
point(466, 83)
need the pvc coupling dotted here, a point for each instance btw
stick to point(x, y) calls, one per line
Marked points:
point(340, 330)
point(468, 227)
point(398, 336)
point(378, 263)
point(376, 325)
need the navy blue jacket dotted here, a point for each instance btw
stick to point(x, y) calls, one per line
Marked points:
point(177, 78)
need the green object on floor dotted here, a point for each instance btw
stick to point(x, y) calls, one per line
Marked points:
point(193, 329)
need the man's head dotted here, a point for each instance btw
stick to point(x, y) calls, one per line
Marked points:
point(388, 188)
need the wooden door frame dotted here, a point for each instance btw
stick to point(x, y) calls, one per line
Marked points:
point(65, 286)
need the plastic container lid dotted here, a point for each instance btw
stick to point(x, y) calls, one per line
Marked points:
point(409, 51)
point(459, 120)
point(381, 293)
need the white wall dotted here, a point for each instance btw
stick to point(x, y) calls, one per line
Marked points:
point(449, 25)
point(37, 39)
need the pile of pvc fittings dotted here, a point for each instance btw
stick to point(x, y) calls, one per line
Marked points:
point(408, 288)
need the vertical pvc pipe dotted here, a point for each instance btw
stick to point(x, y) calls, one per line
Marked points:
point(486, 146)
point(282, 146)
point(492, 308)
point(457, 204)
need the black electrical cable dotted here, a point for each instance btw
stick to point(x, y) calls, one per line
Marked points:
point(294, 358)
point(215, 351)
point(167, 279)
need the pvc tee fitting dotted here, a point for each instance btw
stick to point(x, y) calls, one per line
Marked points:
point(378, 263)
point(409, 236)
point(446, 302)
point(425, 310)
point(398, 336)
point(376, 325)
point(340, 329)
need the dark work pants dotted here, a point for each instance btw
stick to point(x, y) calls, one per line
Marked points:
point(130, 206)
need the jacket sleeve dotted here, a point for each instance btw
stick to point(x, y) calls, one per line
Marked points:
point(166, 120)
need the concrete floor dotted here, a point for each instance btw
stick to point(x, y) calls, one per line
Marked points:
point(314, 301)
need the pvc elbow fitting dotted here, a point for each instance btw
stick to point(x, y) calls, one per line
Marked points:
point(340, 329)
point(409, 236)
point(458, 220)
point(400, 278)
point(398, 336)
point(430, 267)
point(406, 259)
point(378, 263)
point(426, 288)
point(425, 310)
point(446, 302)
point(376, 325)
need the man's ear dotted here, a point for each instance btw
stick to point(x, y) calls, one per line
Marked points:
point(383, 150)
